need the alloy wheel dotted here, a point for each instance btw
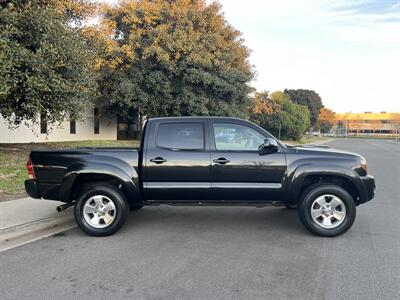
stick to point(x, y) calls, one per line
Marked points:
point(328, 211)
point(99, 211)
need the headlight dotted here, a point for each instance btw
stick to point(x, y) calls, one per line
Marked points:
point(363, 165)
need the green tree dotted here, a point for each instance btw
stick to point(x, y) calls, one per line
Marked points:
point(326, 119)
point(169, 58)
point(45, 62)
point(308, 98)
point(290, 118)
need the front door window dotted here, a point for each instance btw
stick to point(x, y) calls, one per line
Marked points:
point(233, 137)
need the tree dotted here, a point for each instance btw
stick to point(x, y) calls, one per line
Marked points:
point(395, 123)
point(45, 61)
point(277, 112)
point(169, 58)
point(326, 119)
point(308, 98)
point(263, 104)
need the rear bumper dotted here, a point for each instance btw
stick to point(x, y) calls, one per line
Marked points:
point(42, 190)
point(369, 185)
point(32, 189)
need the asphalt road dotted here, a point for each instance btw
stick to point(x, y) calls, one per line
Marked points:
point(223, 253)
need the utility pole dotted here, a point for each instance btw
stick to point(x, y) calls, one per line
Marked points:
point(279, 134)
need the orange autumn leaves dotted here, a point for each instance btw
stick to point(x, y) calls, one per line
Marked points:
point(169, 32)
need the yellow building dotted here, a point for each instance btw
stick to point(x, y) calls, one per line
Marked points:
point(367, 123)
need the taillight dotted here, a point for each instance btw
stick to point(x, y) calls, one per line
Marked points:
point(29, 167)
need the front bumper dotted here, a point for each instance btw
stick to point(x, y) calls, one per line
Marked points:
point(369, 184)
point(31, 188)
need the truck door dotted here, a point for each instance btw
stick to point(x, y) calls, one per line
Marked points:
point(239, 171)
point(177, 161)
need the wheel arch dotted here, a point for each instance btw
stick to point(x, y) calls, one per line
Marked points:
point(309, 175)
point(79, 175)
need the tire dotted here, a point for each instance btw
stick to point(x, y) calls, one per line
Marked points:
point(331, 219)
point(101, 210)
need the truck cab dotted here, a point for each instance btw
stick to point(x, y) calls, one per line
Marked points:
point(211, 159)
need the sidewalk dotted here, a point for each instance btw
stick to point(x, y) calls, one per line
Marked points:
point(26, 220)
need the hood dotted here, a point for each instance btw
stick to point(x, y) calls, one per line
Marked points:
point(322, 150)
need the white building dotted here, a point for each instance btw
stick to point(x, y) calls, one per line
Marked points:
point(91, 127)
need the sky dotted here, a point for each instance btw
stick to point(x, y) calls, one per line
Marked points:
point(348, 51)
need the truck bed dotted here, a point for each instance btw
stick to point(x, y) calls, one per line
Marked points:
point(52, 166)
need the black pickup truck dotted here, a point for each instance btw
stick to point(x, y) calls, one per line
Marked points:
point(203, 161)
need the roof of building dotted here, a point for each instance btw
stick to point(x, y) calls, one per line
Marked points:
point(368, 116)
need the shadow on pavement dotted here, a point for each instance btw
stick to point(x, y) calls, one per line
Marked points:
point(278, 220)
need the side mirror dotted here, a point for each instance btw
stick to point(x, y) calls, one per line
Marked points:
point(269, 146)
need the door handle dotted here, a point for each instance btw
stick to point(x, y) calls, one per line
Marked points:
point(158, 160)
point(221, 161)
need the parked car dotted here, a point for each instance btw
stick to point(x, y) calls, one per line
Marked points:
point(181, 161)
point(316, 133)
point(329, 134)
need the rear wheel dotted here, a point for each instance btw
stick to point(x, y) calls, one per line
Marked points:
point(327, 210)
point(101, 210)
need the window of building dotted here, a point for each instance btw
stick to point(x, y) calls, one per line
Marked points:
point(43, 123)
point(233, 137)
point(129, 127)
point(180, 136)
point(72, 126)
point(96, 121)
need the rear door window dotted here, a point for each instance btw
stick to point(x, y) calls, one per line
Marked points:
point(180, 136)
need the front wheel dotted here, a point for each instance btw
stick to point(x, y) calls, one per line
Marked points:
point(326, 210)
point(101, 210)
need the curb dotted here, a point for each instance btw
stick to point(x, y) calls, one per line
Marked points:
point(19, 235)
point(320, 142)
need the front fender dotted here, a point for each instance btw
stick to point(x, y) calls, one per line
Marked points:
point(130, 182)
point(296, 179)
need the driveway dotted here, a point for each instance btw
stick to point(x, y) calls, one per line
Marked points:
point(223, 253)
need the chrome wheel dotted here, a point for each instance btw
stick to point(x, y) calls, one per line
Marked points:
point(99, 211)
point(328, 211)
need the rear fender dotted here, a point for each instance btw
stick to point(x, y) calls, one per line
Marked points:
point(130, 182)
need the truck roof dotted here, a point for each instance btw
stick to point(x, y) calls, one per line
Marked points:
point(195, 117)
